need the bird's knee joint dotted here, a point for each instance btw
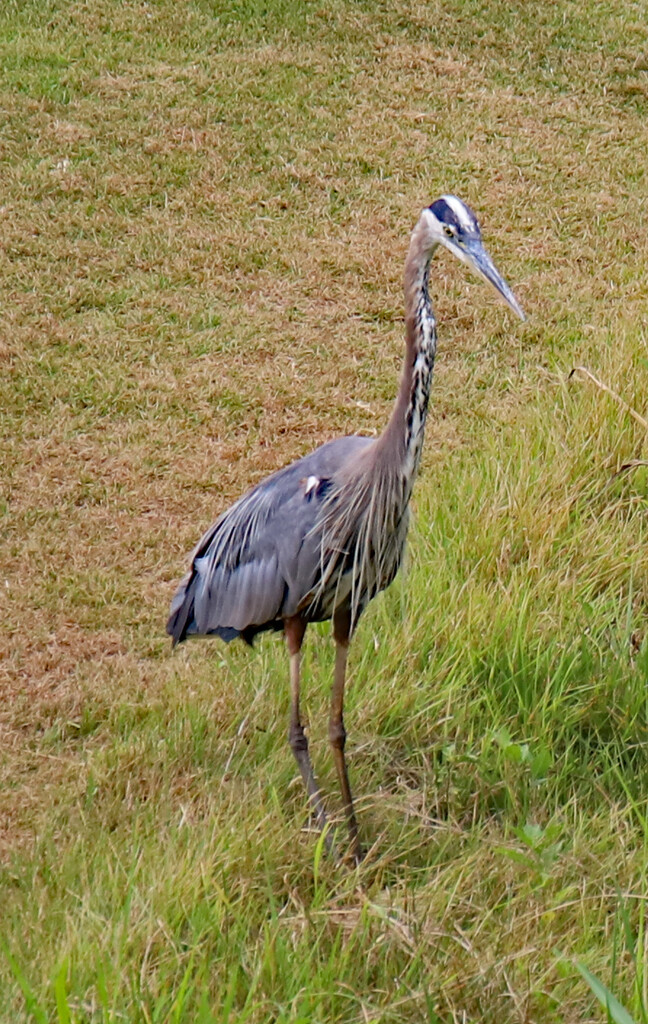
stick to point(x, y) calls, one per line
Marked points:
point(337, 735)
point(297, 739)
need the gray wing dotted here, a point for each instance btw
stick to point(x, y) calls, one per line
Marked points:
point(260, 559)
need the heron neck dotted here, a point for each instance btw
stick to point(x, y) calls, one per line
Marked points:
point(402, 440)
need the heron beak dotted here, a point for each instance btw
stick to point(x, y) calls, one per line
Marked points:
point(474, 254)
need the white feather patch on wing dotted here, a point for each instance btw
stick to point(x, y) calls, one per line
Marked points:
point(312, 483)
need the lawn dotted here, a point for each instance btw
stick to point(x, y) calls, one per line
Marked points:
point(205, 210)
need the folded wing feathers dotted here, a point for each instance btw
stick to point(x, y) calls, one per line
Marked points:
point(249, 594)
point(282, 544)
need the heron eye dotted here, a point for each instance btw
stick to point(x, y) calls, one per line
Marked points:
point(449, 231)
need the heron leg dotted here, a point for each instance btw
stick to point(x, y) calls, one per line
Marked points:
point(337, 732)
point(294, 629)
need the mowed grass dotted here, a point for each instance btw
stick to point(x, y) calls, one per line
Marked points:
point(205, 210)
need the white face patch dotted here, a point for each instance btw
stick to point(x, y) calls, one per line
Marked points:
point(463, 215)
point(431, 221)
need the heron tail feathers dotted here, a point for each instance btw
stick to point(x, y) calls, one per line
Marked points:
point(182, 624)
point(182, 610)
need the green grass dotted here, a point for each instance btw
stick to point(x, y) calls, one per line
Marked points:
point(205, 211)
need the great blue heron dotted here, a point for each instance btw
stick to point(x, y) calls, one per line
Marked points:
point(321, 537)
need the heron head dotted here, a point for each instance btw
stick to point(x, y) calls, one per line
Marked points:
point(452, 223)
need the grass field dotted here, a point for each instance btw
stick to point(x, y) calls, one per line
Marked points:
point(204, 213)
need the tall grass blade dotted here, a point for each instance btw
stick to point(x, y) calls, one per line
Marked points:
point(179, 1002)
point(60, 992)
point(616, 1012)
point(37, 1013)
